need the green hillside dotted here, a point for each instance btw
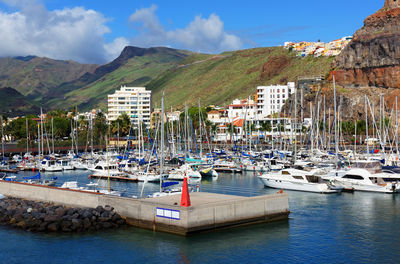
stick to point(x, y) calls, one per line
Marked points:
point(220, 79)
point(134, 67)
point(35, 77)
point(15, 104)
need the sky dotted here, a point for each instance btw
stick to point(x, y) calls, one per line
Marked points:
point(95, 31)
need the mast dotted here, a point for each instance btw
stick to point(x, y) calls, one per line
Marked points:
point(162, 141)
point(295, 126)
point(201, 141)
point(38, 140)
point(366, 125)
point(27, 135)
point(2, 137)
point(52, 132)
point(335, 113)
point(41, 129)
point(397, 133)
point(91, 133)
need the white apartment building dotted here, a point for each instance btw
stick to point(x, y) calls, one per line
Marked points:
point(270, 99)
point(242, 109)
point(136, 102)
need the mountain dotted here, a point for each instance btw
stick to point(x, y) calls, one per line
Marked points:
point(135, 66)
point(218, 79)
point(14, 103)
point(35, 77)
point(372, 59)
point(184, 76)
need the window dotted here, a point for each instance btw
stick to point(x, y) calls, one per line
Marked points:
point(298, 177)
point(354, 177)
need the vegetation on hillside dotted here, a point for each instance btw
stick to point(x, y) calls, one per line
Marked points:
point(220, 79)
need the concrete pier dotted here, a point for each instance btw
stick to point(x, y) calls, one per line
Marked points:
point(208, 211)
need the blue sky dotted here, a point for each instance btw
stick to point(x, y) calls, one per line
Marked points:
point(96, 31)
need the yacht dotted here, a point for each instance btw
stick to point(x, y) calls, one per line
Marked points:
point(51, 166)
point(186, 170)
point(363, 180)
point(104, 169)
point(66, 164)
point(297, 180)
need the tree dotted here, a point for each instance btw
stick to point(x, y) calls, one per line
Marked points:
point(123, 124)
point(100, 128)
point(264, 127)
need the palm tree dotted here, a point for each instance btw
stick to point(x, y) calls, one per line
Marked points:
point(121, 125)
point(265, 126)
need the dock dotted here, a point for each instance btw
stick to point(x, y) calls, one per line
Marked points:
point(208, 211)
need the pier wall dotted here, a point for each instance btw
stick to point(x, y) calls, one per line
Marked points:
point(208, 211)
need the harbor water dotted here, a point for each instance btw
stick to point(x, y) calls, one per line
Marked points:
point(336, 228)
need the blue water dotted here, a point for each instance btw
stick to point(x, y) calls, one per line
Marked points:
point(339, 228)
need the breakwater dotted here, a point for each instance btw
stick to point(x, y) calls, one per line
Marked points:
point(48, 217)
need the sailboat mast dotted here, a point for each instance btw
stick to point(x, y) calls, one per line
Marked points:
point(201, 141)
point(335, 113)
point(27, 135)
point(2, 137)
point(52, 132)
point(162, 141)
point(397, 133)
point(366, 125)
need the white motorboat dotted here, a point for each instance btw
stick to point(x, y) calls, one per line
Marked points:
point(364, 180)
point(51, 166)
point(66, 164)
point(150, 176)
point(104, 169)
point(78, 165)
point(297, 180)
point(184, 171)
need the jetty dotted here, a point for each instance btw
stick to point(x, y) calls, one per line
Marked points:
point(208, 211)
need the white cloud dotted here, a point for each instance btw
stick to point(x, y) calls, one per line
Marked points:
point(202, 34)
point(69, 33)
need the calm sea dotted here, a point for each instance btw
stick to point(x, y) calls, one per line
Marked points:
point(338, 228)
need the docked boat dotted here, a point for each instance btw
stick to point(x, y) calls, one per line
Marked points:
point(184, 171)
point(298, 180)
point(363, 180)
point(66, 164)
point(104, 169)
point(51, 166)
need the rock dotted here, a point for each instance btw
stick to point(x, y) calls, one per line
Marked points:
point(21, 224)
point(65, 226)
point(108, 208)
point(60, 212)
point(100, 209)
point(75, 216)
point(107, 225)
point(42, 227)
point(87, 213)
point(76, 224)
point(53, 227)
point(86, 223)
point(105, 214)
point(51, 218)
point(372, 58)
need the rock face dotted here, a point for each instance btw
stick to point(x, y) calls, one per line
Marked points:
point(372, 59)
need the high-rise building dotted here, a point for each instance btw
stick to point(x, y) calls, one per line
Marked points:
point(270, 99)
point(136, 102)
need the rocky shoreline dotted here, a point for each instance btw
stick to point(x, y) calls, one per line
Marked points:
point(47, 217)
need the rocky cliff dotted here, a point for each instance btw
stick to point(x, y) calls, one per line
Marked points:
point(372, 59)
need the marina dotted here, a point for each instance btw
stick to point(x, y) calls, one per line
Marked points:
point(357, 220)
